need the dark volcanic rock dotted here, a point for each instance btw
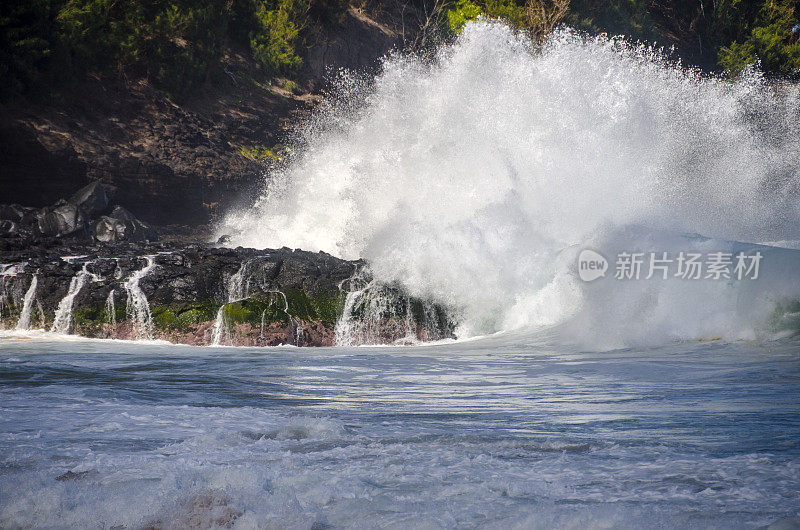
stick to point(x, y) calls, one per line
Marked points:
point(63, 220)
point(14, 212)
point(74, 218)
point(8, 228)
point(121, 225)
point(198, 294)
point(182, 161)
point(92, 200)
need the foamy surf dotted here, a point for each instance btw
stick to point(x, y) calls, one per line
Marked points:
point(492, 433)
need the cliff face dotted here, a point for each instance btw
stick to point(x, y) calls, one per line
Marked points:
point(172, 163)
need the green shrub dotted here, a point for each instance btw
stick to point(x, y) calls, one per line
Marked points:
point(290, 86)
point(29, 44)
point(262, 154)
point(460, 13)
point(274, 42)
point(175, 44)
point(736, 57)
point(769, 43)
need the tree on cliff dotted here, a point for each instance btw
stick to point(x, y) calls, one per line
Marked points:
point(175, 44)
point(725, 35)
point(178, 43)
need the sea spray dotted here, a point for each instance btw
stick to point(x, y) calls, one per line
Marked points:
point(24, 322)
point(469, 178)
point(375, 313)
point(63, 318)
point(138, 308)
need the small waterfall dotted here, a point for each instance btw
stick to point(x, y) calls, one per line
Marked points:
point(345, 327)
point(237, 288)
point(368, 308)
point(295, 334)
point(376, 314)
point(298, 332)
point(263, 323)
point(274, 299)
point(366, 313)
point(41, 313)
point(111, 312)
point(218, 328)
point(138, 308)
point(295, 326)
point(63, 319)
point(24, 321)
point(7, 272)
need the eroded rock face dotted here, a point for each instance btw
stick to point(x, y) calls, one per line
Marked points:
point(92, 200)
point(87, 214)
point(121, 225)
point(194, 294)
point(63, 220)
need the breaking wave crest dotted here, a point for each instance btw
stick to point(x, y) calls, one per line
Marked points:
point(472, 178)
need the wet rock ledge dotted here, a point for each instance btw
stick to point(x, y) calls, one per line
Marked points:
point(198, 294)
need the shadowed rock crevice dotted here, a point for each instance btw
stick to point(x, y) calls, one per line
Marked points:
point(88, 214)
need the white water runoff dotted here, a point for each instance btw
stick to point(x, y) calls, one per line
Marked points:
point(474, 178)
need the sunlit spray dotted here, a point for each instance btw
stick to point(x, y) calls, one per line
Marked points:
point(472, 178)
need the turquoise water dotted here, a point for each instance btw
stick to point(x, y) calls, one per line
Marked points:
point(499, 432)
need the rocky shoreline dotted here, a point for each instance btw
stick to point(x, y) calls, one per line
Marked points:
point(88, 267)
point(199, 294)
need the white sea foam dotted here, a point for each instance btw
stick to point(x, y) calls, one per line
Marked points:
point(467, 178)
point(98, 434)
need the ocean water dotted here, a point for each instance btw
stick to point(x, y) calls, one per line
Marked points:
point(509, 431)
point(472, 178)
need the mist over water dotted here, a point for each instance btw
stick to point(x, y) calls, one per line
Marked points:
point(473, 178)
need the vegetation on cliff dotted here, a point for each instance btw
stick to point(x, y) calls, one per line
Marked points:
point(177, 44)
point(728, 35)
